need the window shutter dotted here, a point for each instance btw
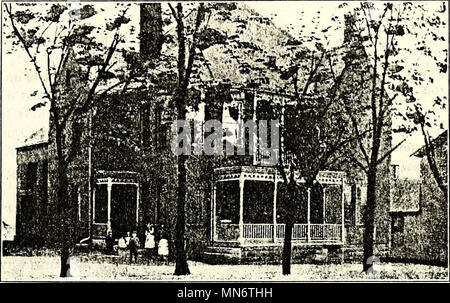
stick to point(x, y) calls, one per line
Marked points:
point(361, 198)
point(349, 210)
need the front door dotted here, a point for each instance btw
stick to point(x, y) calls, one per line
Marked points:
point(123, 209)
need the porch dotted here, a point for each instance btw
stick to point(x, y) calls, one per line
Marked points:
point(115, 203)
point(247, 209)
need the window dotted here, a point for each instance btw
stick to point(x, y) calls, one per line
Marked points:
point(162, 133)
point(398, 223)
point(272, 62)
point(146, 126)
point(350, 205)
point(31, 175)
point(45, 182)
point(101, 204)
point(359, 200)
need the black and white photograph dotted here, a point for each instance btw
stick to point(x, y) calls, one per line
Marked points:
point(249, 141)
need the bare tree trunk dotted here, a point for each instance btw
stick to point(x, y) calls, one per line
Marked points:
point(64, 258)
point(181, 266)
point(63, 205)
point(287, 248)
point(63, 216)
point(290, 205)
point(369, 220)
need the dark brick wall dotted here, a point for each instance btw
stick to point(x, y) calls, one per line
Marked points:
point(32, 195)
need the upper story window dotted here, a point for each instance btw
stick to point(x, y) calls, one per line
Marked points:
point(31, 175)
point(146, 118)
point(272, 62)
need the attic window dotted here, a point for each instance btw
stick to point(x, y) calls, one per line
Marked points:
point(398, 223)
point(272, 62)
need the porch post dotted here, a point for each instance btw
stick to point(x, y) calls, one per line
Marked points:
point(137, 204)
point(109, 203)
point(324, 204)
point(342, 211)
point(213, 212)
point(309, 215)
point(93, 205)
point(275, 209)
point(241, 207)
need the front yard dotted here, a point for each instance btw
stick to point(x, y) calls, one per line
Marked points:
point(46, 268)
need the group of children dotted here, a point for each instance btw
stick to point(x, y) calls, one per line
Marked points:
point(155, 247)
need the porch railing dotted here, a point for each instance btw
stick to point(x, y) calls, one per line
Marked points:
point(326, 232)
point(258, 231)
point(299, 231)
point(319, 233)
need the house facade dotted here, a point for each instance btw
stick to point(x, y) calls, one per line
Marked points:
point(419, 218)
point(32, 189)
point(125, 174)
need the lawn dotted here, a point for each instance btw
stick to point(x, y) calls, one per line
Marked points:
point(46, 268)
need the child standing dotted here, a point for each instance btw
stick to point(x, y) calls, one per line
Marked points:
point(133, 245)
point(150, 238)
point(163, 249)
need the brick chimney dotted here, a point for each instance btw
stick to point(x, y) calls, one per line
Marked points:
point(151, 35)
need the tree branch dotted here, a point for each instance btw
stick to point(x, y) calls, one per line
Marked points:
point(380, 160)
point(358, 135)
point(174, 14)
point(27, 50)
point(430, 154)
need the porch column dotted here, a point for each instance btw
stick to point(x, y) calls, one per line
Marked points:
point(342, 211)
point(109, 203)
point(137, 204)
point(93, 205)
point(241, 207)
point(213, 213)
point(324, 204)
point(309, 215)
point(275, 209)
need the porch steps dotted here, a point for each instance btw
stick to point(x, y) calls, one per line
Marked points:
point(222, 255)
point(355, 254)
point(271, 254)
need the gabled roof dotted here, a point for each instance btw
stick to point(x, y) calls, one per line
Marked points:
point(437, 142)
point(252, 50)
point(36, 138)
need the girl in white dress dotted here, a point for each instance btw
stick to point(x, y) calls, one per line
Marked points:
point(150, 237)
point(163, 249)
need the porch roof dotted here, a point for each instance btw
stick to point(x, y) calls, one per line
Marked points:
point(259, 173)
point(116, 177)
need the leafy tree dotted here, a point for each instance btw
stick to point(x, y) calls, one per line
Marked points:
point(385, 31)
point(315, 129)
point(74, 68)
point(421, 114)
point(187, 49)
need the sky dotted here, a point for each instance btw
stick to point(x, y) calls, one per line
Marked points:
point(19, 122)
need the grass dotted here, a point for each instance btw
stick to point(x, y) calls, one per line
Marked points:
point(46, 268)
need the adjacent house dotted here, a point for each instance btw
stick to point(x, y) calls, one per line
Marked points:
point(419, 230)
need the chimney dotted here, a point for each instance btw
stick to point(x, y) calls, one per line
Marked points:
point(350, 25)
point(151, 35)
